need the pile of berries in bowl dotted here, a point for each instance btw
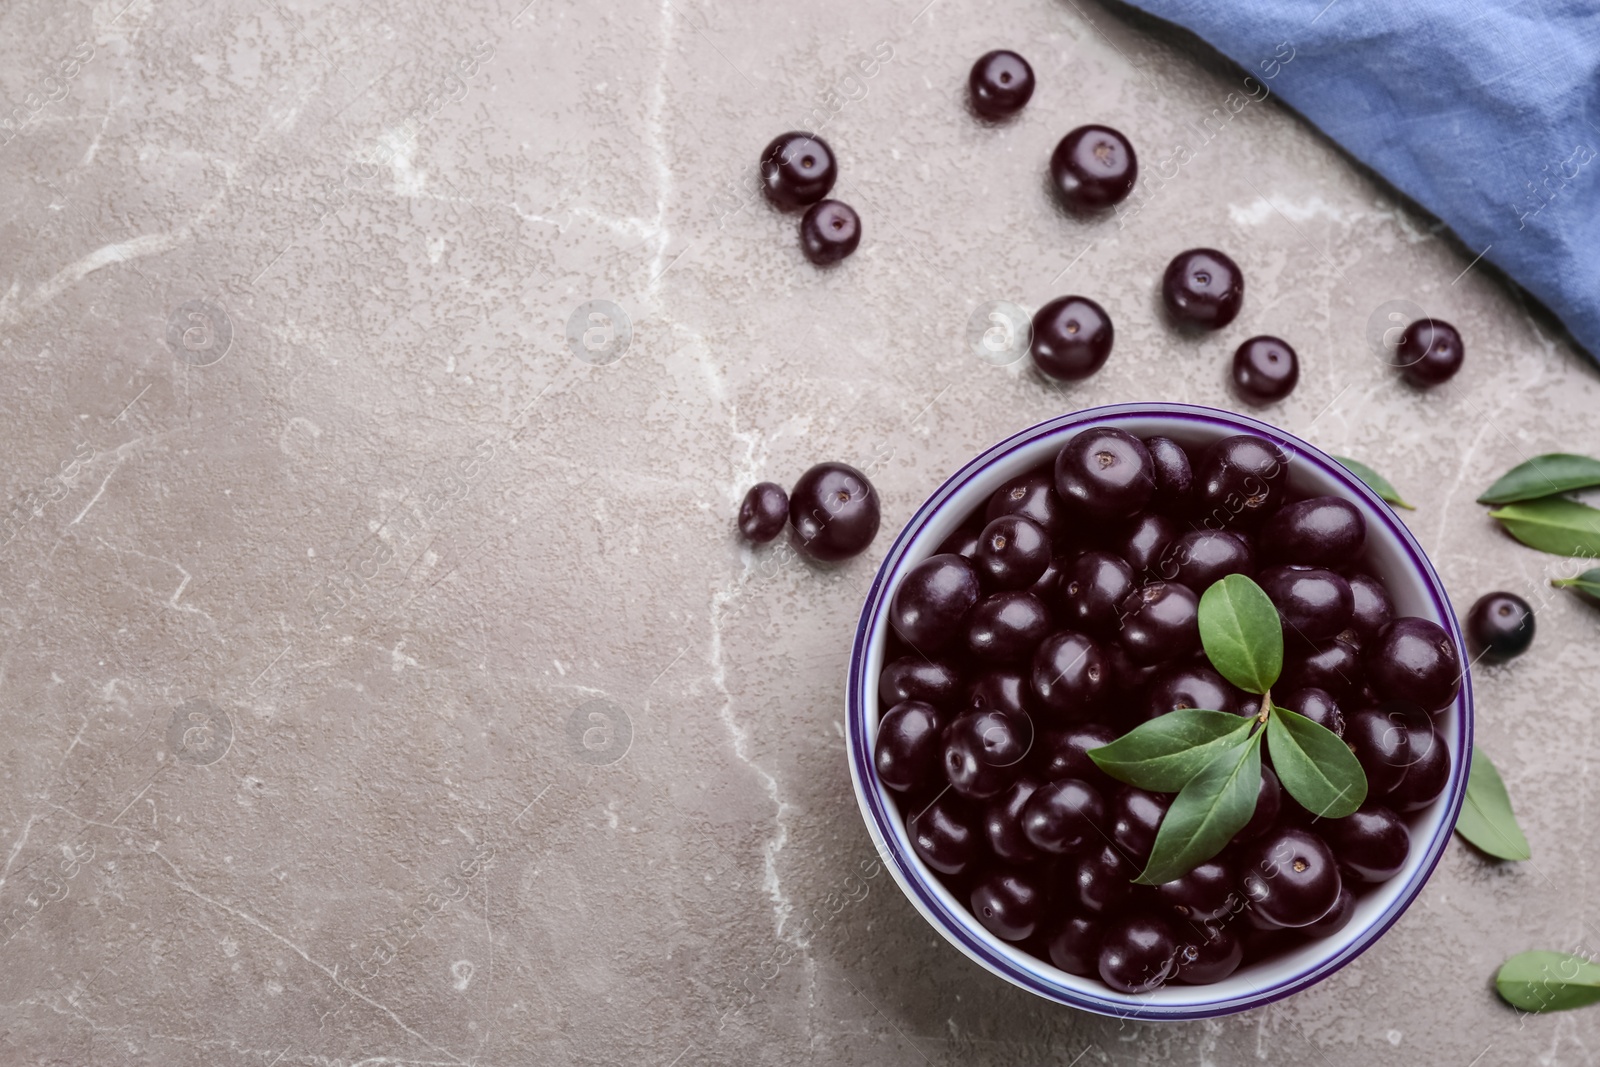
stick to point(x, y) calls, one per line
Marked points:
point(1039, 619)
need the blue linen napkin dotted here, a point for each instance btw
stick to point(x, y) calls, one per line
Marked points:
point(1485, 113)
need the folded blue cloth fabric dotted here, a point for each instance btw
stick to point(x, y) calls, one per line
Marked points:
point(1485, 113)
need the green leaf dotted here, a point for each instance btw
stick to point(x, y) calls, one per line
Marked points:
point(1241, 632)
point(1586, 585)
point(1203, 818)
point(1486, 819)
point(1556, 525)
point(1315, 765)
point(1548, 981)
point(1169, 750)
point(1375, 481)
point(1556, 472)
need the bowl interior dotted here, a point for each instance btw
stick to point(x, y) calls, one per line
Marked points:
point(1391, 553)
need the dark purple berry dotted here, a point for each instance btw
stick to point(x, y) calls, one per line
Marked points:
point(1203, 288)
point(1324, 531)
point(943, 835)
point(1092, 591)
point(1135, 816)
point(1012, 552)
point(1000, 84)
point(1008, 904)
point(1205, 893)
point(1003, 826)
point(1381, 741)
point(1007, 627)
point(1290, 877)
point(1405, 758)
point(1065, 816)
point(1202, 557)
point(797, 169)
point(1415, 661)
point(1071, 338)
point(1212, 954)
point(1098, 879)
point(1315, 604)
point(1064, 754)
point(1145, 541)
point(1033, 496)
point(763, 512)
point(1265, 369)
point(1001, 690)
point(1371, 608)
point(1070, 674)
point(1180, 686)
point(1130, 678)
point(1093, 167)
point(914, 678)
point(909, 751)
point(1240, 481)
point(1160, 622)
point(1430, 353)
point(1428, 771)
point(1337, 918)
point(1500, 626)
point(962, 542)
point(1075, 946)
point(1334, 666)
point(983, 752)
point(1174, 474)
point(1138, 953)
point(1317, 705)
point(1105, 473)
point(1047, 587)
point(931, 607)
point(829, 231)
point(834, 510)
point(1371, 845)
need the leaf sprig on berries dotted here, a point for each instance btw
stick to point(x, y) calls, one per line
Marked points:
point(1212, 759)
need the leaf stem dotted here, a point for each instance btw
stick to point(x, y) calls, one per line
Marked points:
point(1266, 707)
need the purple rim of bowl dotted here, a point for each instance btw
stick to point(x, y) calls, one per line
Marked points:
point(961, 929)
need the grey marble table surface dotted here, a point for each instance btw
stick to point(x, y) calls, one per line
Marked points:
point(381, 676)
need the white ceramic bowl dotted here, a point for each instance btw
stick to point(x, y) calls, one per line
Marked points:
point(1393, 553)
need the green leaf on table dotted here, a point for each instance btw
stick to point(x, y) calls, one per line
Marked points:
point(1206, 814)
point(1548, 981)
point(1375, 481)
point(1586, 585)
point(1169, 750)
point(1315, 765)
point(1556, 472)
point(1486, 819)
point(1241, 632)
point(1555, 524)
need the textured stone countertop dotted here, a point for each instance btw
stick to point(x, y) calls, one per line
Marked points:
point(382, 683)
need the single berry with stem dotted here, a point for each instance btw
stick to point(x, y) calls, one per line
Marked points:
point(797, 169)
point(1001, 84)
point(1203, 288)
point(1501, 625)
point(829, 231)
